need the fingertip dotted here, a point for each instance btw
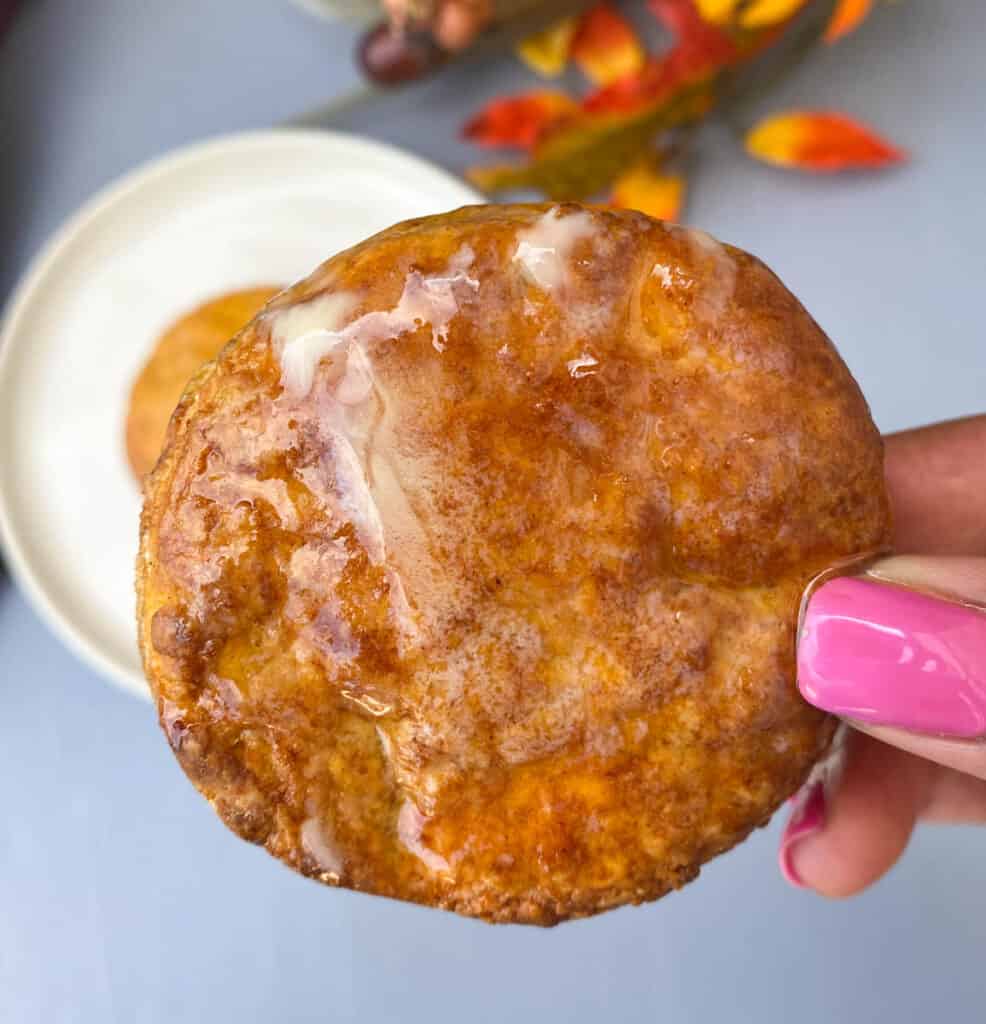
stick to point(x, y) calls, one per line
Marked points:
point(809, 864)
point(456, 25)
point(808, 859)
point(807, 818)
point(847, 831)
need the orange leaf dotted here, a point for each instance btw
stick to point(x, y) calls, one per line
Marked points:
point(819, 141)
point(518, 120)
point(605, 46)
point(761, 13)
point(847, 17)
point(647, 188)
point(547, 51)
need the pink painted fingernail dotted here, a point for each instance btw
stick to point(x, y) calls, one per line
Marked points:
point(807, 818)
point(881, 653)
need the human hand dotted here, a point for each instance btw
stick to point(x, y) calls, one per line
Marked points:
point(905, 669)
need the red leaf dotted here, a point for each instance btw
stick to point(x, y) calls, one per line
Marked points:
point(699, 52)
point(605, 46)
point(518, 121)
point(694, 34)
point(657, 78)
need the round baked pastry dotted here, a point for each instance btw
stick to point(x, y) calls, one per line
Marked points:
point(471, 569)
point(182, 349)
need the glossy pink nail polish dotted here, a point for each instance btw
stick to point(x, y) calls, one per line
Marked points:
point(808, 817)
point(883, 654)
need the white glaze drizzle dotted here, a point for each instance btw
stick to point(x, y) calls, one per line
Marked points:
point(584, 366)
point(352, 468)
point(229, 491)
point(711, 301)
point(410, 823)
point(317, 844)
point(305, 337)
point(368, 703)
point(355, 499)
point(305, 333)
point(664, 272)
point(544, 250)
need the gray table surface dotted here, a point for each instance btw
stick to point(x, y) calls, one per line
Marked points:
point(123, 899)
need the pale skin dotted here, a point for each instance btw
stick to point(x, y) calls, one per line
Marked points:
point(455, 23)
point(893, 779)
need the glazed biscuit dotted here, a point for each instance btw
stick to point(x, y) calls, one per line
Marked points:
point(471, 569)
point(185, 347)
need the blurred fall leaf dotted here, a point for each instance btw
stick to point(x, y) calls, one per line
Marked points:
point(819, 141)
point(605, 46)
point(640, 106)
point(847, 17)
point(648, 187)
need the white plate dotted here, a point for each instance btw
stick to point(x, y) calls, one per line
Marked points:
point(228, 213)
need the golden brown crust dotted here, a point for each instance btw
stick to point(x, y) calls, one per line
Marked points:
point(193, 340)
point(470, 572)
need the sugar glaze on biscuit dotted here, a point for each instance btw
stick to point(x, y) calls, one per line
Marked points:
point(470, 573)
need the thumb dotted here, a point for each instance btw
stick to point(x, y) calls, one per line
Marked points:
point(900, 653)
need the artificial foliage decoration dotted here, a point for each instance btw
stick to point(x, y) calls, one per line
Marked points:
point(753, 14)
point(605, 47)
point(519, 121)
point(819, 141)
point(847, 17)
point(627, 137)
point(547, 51)
point(648, 187)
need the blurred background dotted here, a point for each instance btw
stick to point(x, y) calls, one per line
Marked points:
point(121, 896)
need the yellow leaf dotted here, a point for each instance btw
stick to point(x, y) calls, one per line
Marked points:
point(547, 51)
point(847, 17)
point(716, 10)
point(762, 13)
point(646, 187)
